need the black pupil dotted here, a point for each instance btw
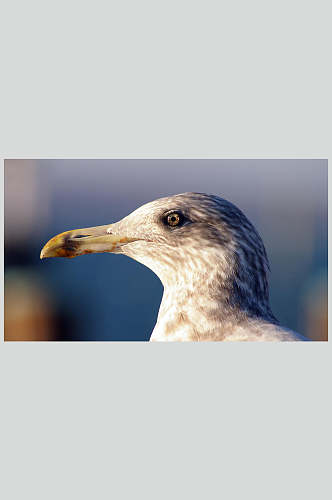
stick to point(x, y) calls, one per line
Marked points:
point(173, 219)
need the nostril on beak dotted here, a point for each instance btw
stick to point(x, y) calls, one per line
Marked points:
point(82, 235)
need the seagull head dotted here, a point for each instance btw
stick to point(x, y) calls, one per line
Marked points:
point(191, 241)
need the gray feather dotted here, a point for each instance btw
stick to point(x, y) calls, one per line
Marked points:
point(213, 266)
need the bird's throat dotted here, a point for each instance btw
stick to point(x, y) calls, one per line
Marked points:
point(188, 316)
point(208, 312)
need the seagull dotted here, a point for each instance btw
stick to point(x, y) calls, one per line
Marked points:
point(209, 257)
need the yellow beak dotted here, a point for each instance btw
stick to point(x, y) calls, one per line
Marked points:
point(83, 241)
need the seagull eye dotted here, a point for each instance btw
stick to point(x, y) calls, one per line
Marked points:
point(174, 219)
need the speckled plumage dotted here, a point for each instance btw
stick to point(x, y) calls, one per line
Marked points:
point(211, 261)
point(213, 268)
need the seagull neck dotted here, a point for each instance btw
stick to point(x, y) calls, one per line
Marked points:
point(205, 309)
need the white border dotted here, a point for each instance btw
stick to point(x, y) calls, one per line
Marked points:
point(165, 80)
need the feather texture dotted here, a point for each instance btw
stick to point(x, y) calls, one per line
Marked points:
point(213, 266)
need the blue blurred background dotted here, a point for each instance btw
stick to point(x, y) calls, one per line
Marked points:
point(110, 297)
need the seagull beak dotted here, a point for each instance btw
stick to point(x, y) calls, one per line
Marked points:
point(83, 241)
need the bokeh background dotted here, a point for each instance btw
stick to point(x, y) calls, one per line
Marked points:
point(110, 297)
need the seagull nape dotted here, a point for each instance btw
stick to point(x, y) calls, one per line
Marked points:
point(209, 257)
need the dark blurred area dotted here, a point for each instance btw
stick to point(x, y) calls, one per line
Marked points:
point(110, 297)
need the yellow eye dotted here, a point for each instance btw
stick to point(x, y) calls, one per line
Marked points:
point(173, 219)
